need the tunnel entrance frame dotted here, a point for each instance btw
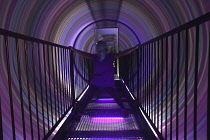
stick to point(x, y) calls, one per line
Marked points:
point(111, 36)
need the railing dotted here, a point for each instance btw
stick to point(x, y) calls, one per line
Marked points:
point(169, 77)
point(38, 85)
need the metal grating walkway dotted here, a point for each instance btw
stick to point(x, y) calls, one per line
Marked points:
point(104, 120)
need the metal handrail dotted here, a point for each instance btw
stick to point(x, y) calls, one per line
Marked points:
point(190, 24)
point(28, 38)
point(153, 89)
point(52, 68)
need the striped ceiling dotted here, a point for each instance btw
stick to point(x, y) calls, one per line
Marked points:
point(62, 21)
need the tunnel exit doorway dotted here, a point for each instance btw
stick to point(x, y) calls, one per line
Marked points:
point(110, 35)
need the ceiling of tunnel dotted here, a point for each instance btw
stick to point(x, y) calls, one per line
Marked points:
point(63, 22)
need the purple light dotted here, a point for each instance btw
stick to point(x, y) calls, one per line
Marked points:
point(107, 119)
point(106, 100)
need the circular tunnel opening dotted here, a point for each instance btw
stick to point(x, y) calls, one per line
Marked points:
point(86, 39)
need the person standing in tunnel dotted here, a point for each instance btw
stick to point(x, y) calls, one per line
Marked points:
point(103, 77)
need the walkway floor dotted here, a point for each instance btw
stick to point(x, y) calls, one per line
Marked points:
point(104, 120)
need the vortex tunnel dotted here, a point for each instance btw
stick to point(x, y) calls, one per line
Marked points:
point(73, 23)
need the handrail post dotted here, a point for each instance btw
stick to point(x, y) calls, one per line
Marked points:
point(1, 127)
point(26, 53)
point(208, 97)
point(10, 86)
point(72, 77)
point(196, 80)
point(138, 77)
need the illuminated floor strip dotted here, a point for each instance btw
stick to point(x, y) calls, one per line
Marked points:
point(98, 127)
point(129, 91)
point(60, 124)
point(149, 124)
point(104, 100)
point(104, 120)
point(96, 123)
point(114, 138)
point(83, 93)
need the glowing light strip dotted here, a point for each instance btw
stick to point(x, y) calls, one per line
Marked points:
point(60, 124)
point(142, 113)
point(83, 93)
point(128, 90)
point(107, 119)
point(115, 138)
point(149, 124)
point(67, 115)
point(106, 99)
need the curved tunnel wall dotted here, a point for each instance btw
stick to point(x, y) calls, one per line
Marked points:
point(62, 21)
point(166, 85)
